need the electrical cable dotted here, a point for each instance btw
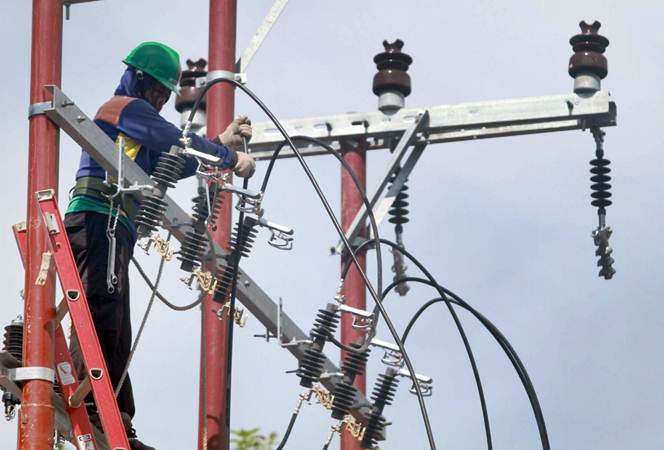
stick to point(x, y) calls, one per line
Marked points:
point(464, 338)
point(367, 204)
point(339, 230)
point(499, 337)
point(160, 271)
point(419, 312)
point(159, 295)
point(342, 346)
point(288, 431)
point(231, 308)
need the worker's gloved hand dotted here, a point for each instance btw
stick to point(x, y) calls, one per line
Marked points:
point(235, 131)
point(245, 165)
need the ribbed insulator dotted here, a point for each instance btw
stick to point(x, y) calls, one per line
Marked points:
point(151, 212)
point(325, 324)
point(373, 431)
point(200, 206)
point(13, 341)
point(216, 200)
point(311, 366)
point(243, 243)
point(344, 394)
point(600, 182)
point(355, 362)
point(399, 210)
point(382, 395)
point(169, 169)
point(386, 387)
point(195, 241)
point(244, 236)
point(192, 251)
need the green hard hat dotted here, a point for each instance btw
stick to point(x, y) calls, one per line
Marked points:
point(157, 60)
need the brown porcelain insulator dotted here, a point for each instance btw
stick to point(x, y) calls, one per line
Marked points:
point(188, 92)
point(392, 65)
point(588, 47)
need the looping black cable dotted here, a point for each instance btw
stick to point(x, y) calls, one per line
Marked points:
point(163, 299)
point(337, 226)
point(495, 332)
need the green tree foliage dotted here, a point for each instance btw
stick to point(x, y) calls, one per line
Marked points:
point(253, 440)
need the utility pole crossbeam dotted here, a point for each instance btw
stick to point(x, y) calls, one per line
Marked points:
point(85, 133)
point(447, 123)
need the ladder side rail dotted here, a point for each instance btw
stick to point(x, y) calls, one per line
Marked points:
point(81, 317)
point(64, 366)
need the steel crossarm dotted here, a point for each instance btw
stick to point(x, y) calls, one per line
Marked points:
point(97, 376)
point(66, 114)
point(79, 419)
point(448, 123)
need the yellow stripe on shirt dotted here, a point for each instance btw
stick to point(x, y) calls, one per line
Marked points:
point(131, 146)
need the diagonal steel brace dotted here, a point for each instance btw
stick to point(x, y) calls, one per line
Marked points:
point(380, 202)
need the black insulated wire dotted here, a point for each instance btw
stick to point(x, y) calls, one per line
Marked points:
point(499, 337)
point(159, 295)
point(372, 220)
point(462, 334)
point(291, 422)
point(231, 309)
point(347, 245)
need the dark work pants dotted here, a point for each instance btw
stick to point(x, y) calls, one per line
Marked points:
point(110, 312)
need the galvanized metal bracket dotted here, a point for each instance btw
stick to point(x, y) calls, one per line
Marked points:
point(29, 373)
point(36, 109)
point(220, 75)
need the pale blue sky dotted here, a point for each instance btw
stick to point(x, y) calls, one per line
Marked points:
point(505, 223)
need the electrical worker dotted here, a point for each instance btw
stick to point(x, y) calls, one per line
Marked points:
point(153, 72)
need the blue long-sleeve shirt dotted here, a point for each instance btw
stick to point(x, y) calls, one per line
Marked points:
point(148, 132)
point(147, 135)
point(141, 123)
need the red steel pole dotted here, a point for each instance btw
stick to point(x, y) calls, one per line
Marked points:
point(213, 425)
point(354, 290)
point(36, 423)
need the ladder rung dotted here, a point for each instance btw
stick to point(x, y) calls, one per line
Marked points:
point(61, 312)
point(83, 389)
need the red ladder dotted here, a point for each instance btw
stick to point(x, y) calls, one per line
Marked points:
point(75, 302)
